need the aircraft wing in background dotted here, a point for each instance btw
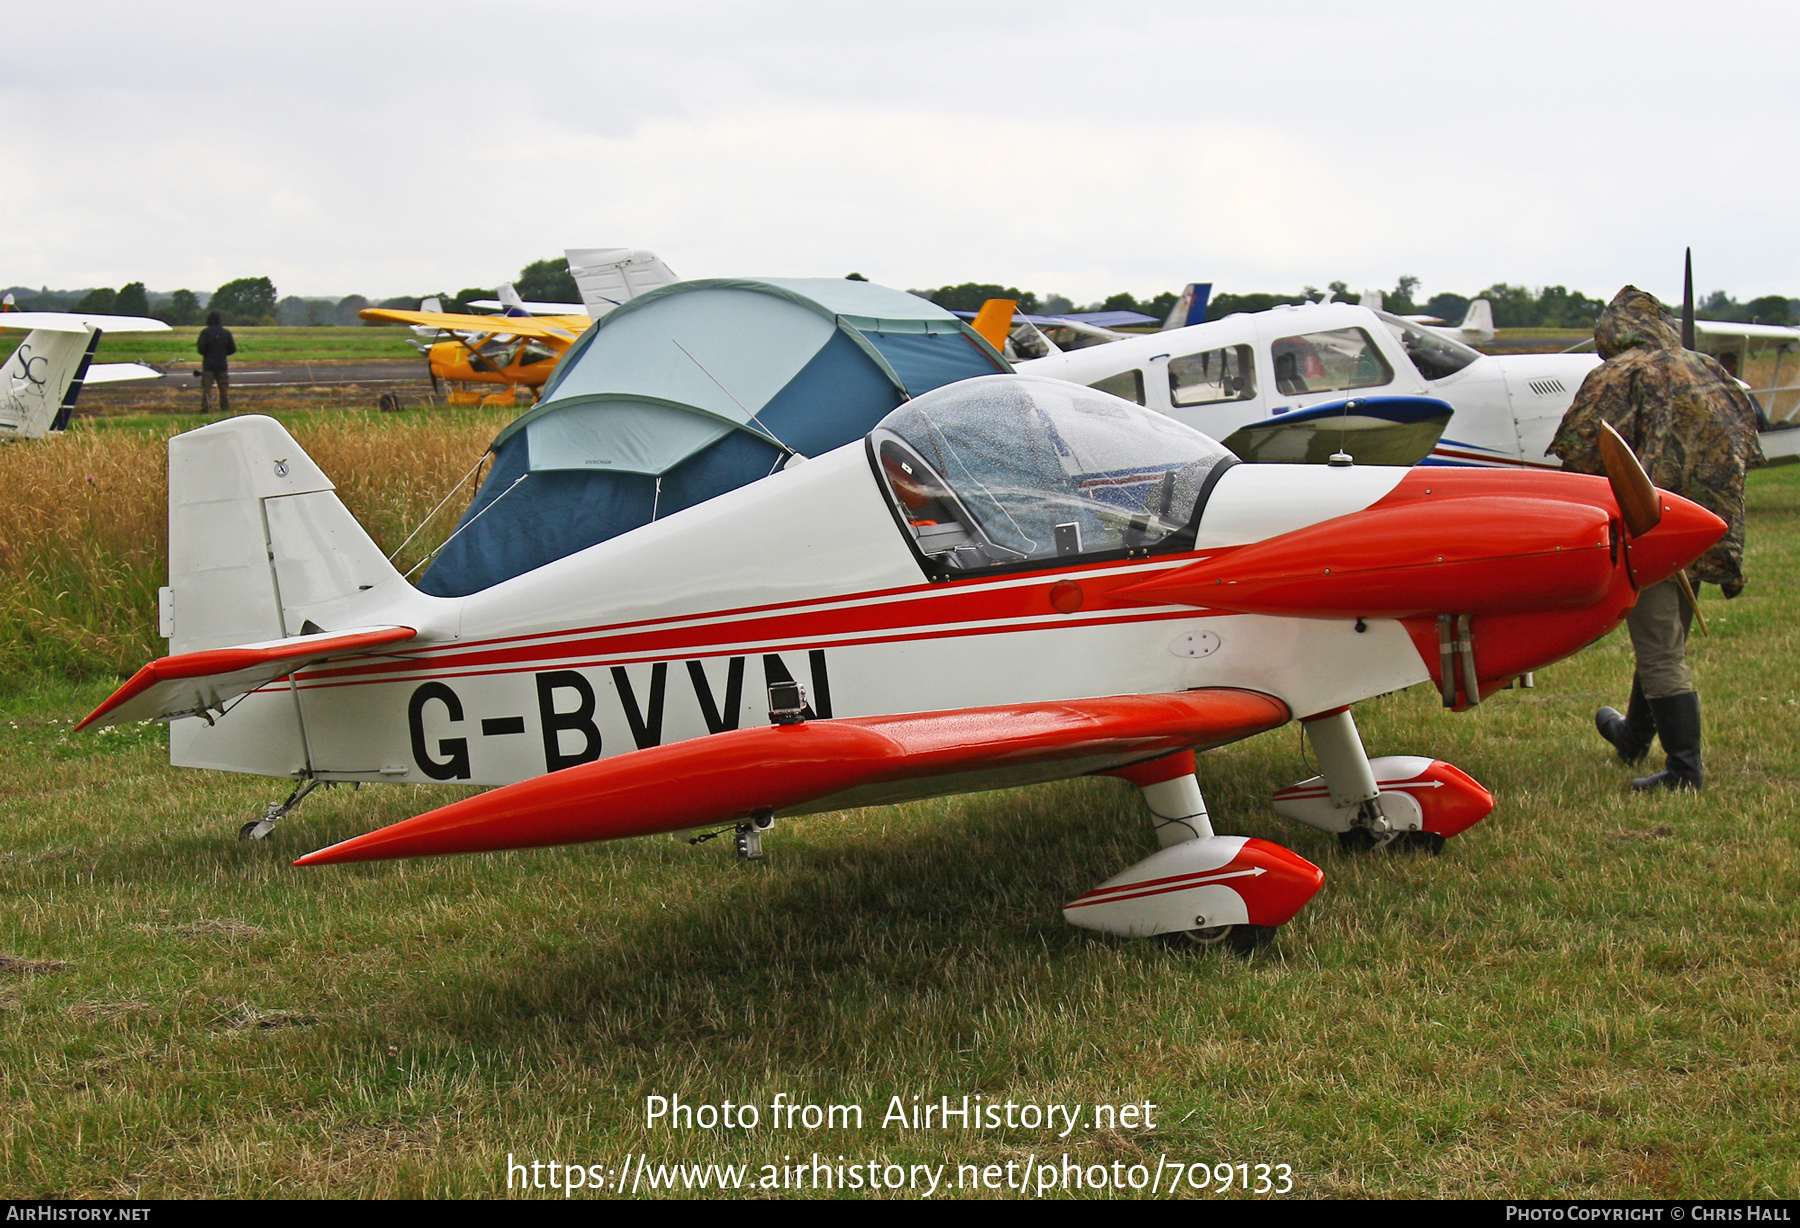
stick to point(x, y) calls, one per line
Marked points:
point(46, 373)
point(560, 328)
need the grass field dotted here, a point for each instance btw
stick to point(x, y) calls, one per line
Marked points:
point(1589, 994)
point(255, 345)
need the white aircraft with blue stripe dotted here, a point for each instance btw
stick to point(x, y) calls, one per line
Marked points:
point(1300, 383)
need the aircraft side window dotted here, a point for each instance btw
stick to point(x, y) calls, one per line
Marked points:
point(1215, 376)
point(936, 518)
point(1435, 355)
point(1126, 384)
point(1331, 361)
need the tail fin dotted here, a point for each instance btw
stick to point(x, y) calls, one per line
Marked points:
point(1190, 308)
point(434, 303)
point(1478, 324)
point(41, 380)
point(510, 302)
point(609, 276)
point(1372, 298)
point(994, 321)
point(260, 548)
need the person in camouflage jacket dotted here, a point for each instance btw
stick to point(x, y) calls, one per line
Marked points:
point(1693, 429)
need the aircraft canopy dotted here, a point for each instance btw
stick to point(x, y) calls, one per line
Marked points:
point(1012, 468)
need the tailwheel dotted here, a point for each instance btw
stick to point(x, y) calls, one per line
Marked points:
point(1240, 939)
point(1362, 840)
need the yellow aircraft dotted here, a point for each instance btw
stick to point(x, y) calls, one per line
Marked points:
point(518, 351)
point(519, 347)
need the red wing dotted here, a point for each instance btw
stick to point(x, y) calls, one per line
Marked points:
point(195, 682)
point(731, 776)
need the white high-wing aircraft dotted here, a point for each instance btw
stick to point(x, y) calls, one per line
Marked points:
point(44, 376)
point(1008, 580)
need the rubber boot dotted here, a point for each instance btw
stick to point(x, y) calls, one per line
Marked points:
point(1678, 725)
point(1632, 731)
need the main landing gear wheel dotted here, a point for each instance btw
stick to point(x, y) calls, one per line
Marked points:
point(1362, 840)
point(1239, 939)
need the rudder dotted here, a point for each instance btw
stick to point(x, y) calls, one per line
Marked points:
point(38, 378)
point(260, 546)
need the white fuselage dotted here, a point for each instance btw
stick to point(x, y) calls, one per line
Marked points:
point(675, 630)
point(1507, 408)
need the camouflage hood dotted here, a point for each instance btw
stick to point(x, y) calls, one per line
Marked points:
point(1693, 428)
point(1634, 320)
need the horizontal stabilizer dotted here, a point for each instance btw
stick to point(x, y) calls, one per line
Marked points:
point(731, 776)
point(115, 372)
point(193, 683)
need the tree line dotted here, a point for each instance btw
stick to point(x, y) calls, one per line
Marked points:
point(252, 301)
point(1514, 306)
point(245, 301)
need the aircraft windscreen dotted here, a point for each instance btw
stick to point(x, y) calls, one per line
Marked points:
point(1434, 354)
point(1010, 468)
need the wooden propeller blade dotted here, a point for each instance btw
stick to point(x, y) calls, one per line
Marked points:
point(1639, 504)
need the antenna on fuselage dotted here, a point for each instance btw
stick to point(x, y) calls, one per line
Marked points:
point(1342, 458)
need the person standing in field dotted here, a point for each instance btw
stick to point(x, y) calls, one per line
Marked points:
point(1693, 429)
point(216, 346)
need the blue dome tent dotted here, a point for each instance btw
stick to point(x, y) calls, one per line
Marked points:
point(688, 392)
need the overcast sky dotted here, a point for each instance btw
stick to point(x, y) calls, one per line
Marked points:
point(1080, 148)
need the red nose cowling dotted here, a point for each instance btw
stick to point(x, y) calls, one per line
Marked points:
point(1539, 562)
point(1684, 533)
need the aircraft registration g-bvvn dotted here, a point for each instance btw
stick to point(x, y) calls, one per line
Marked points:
point(1009, 580)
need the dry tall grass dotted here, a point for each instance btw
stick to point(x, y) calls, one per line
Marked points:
point(86, 541)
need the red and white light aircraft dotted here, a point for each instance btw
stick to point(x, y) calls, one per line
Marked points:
point(1012, 579)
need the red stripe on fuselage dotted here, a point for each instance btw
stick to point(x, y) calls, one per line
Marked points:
point(988, 607)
